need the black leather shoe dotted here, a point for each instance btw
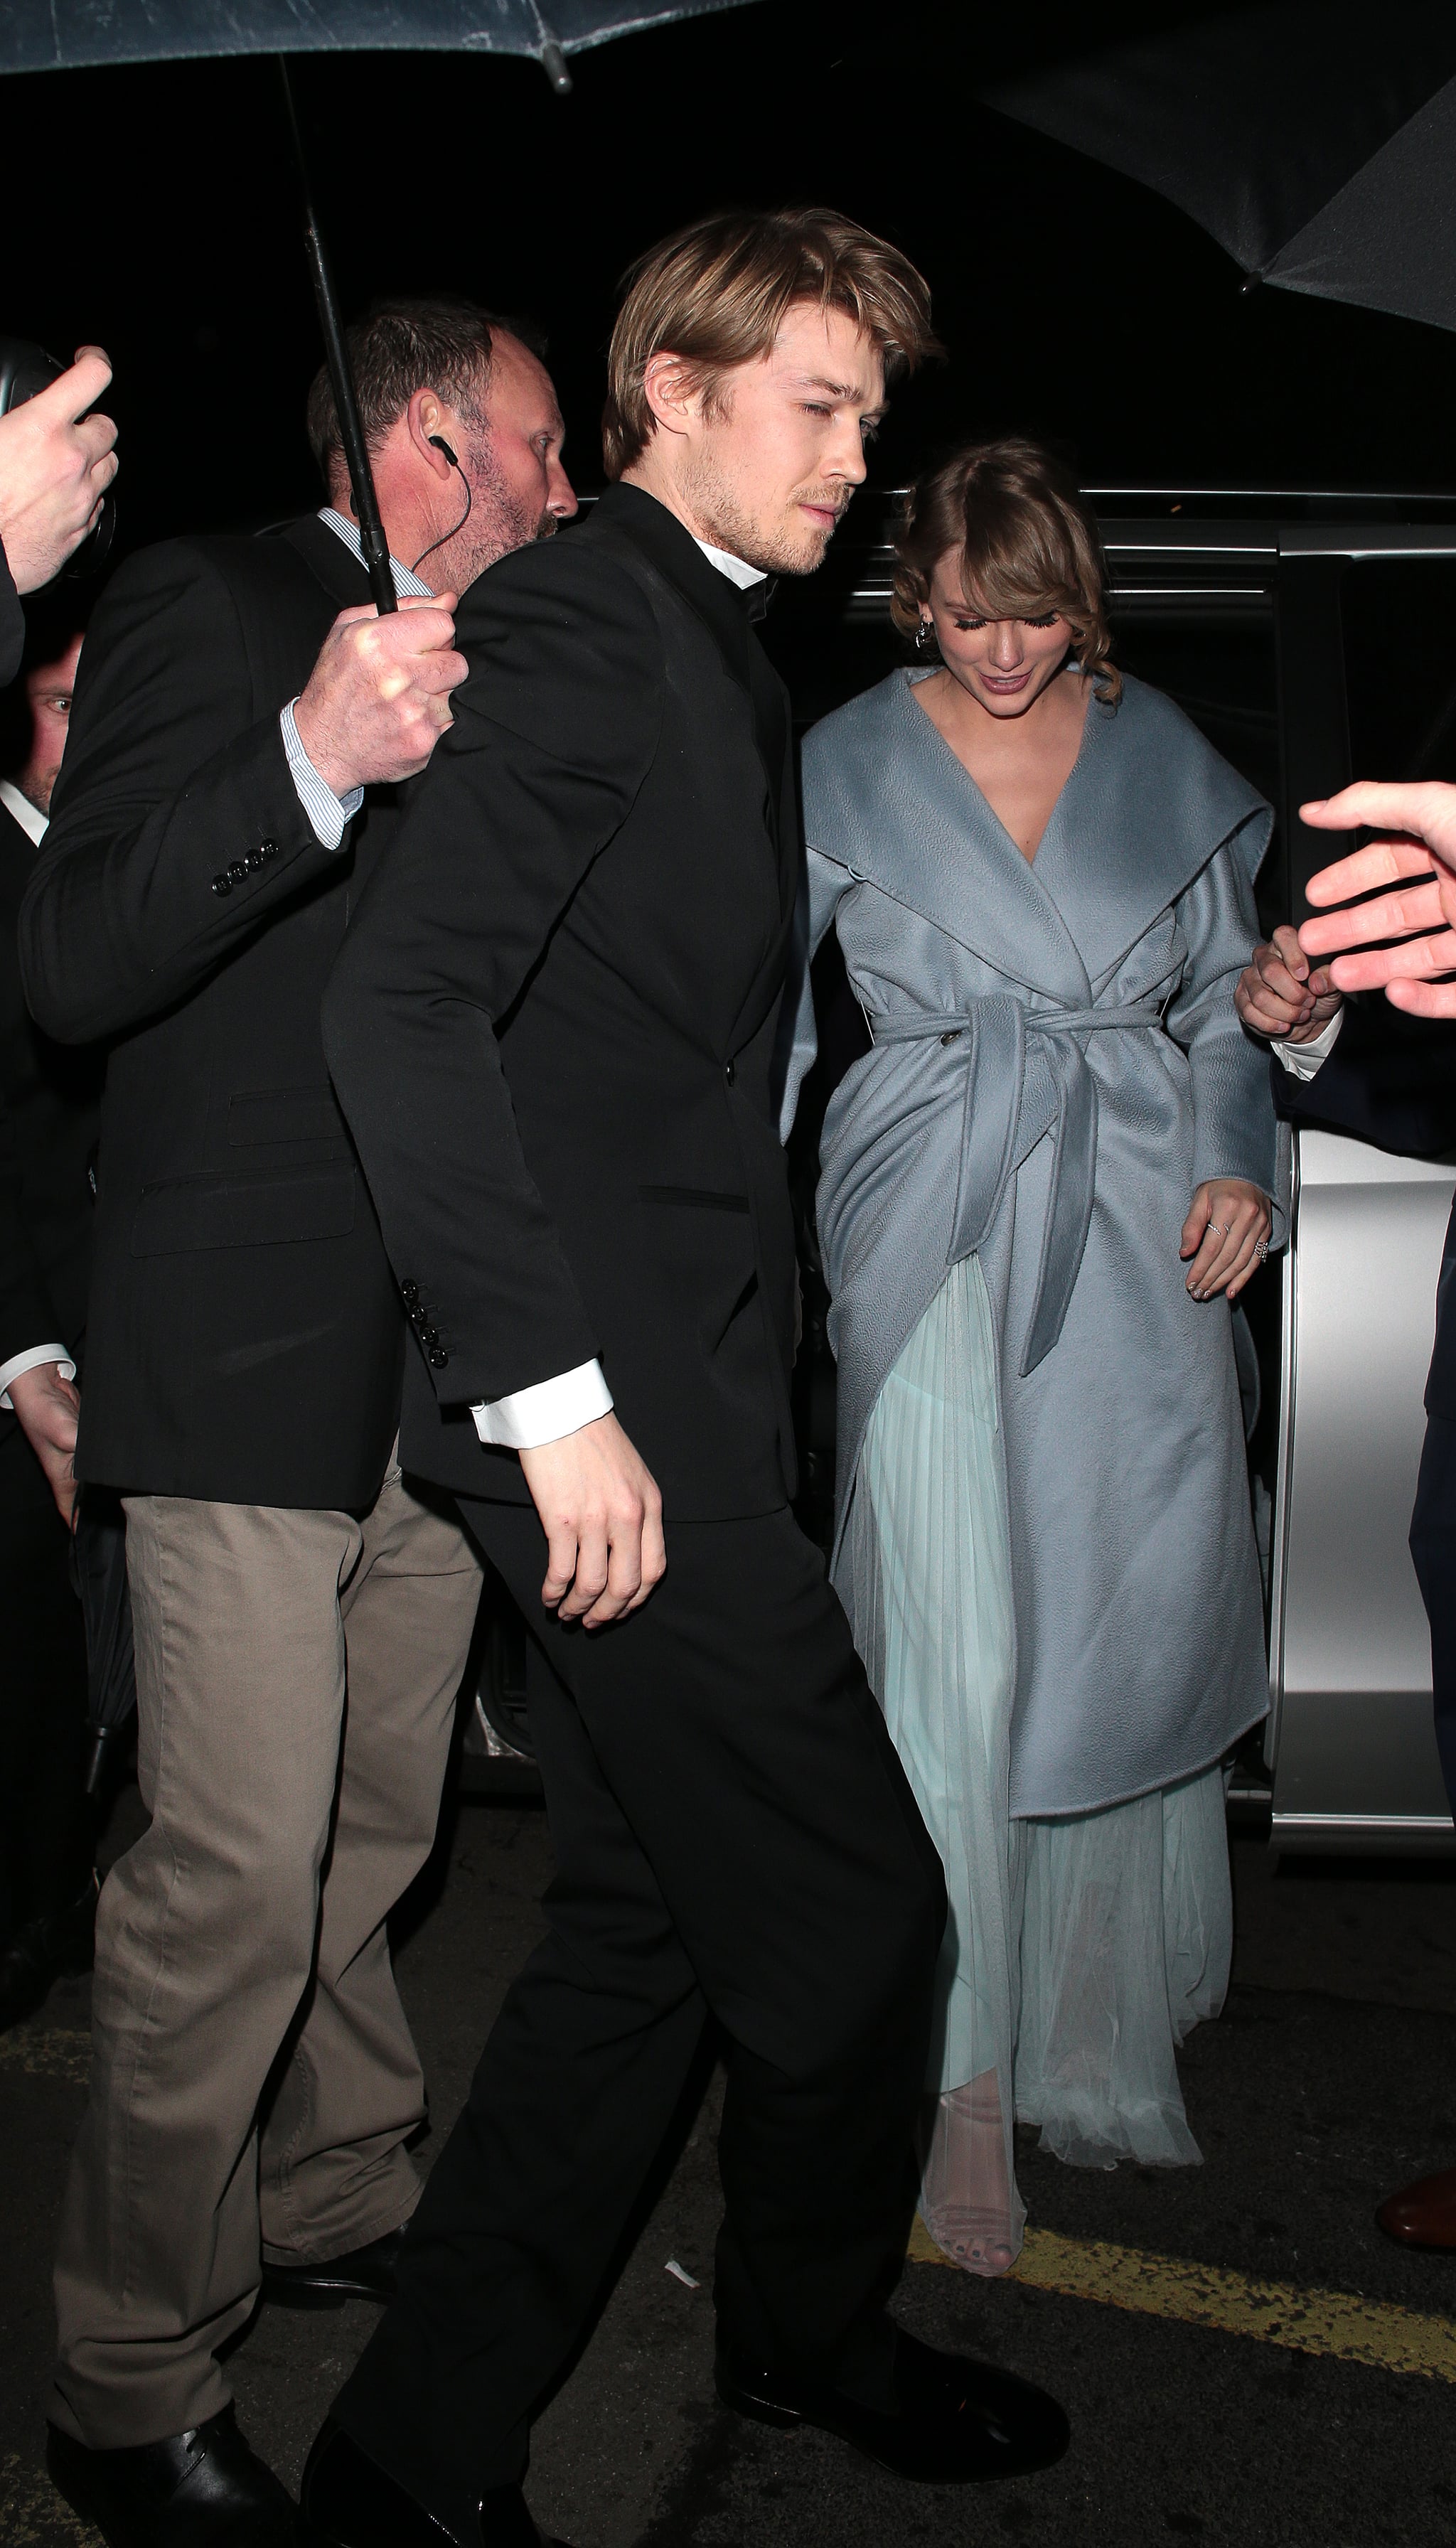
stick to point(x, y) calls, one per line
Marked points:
point(351, 2503)
point(202, 2488)
point(957, 2420)
point(364, 2274)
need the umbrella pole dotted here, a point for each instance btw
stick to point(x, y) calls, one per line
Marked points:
point(342, 379)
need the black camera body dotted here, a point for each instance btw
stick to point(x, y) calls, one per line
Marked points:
point(26, 369)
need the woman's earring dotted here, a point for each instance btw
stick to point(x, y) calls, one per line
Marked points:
point(923, 634)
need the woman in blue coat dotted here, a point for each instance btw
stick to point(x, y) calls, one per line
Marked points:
point(1041, 1191)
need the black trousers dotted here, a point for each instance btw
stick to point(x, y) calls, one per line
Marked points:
point(1433, 1549)
point(44, 1820)
point(734, 1836)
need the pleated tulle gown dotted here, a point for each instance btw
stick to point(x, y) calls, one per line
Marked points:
point(1078, 1952)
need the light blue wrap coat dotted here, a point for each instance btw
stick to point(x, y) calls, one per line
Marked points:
point(1057, 1064)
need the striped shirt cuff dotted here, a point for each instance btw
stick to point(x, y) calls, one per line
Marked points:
point(328, 814)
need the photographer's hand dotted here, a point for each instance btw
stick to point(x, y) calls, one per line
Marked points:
point(56, 463)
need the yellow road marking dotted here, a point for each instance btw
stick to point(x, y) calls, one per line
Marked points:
point(48, 2051)
point(1306, 2321)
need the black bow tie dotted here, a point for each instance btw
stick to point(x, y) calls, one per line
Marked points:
point(757, 597)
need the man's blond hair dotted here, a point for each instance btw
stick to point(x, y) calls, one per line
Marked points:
point(716, 293)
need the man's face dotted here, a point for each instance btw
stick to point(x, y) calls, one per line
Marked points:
point(48, 688)
point(768, 465)
point(518, 488)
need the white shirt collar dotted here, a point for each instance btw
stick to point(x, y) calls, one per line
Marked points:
point(405, 579)
point(735, 568)
point(28, 816)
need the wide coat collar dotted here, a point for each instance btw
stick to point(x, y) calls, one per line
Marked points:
point(1148, 804)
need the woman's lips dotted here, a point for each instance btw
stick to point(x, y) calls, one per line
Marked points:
point(1006, 684)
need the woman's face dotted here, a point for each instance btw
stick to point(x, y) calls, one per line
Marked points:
point(1004, 663)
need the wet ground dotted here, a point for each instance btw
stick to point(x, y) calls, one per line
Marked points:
point(1244, 2358)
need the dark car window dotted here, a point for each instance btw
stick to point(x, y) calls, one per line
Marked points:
point(1392, 1078)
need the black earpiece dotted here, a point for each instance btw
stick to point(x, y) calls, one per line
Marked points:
point(440, 445)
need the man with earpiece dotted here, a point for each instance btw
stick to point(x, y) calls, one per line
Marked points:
point(241, 727)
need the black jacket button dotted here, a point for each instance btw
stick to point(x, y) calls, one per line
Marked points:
point(223, 884)
point(267, 849)
point(729, 1074)
point(237, 872)
point(437, 1360)
point(410, 1293)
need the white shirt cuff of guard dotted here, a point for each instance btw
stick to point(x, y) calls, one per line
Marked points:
point(328, 814)
point(553, 1407)
point(33, 1356)
point(1302, 1060)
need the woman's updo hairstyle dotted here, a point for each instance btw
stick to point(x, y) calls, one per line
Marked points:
point(1026, 542)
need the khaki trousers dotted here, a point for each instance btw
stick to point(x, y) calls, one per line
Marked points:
point(253, 2081)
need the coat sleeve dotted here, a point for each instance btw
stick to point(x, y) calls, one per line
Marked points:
point(12, 624)
point(828, 881)
point(172, 776)
point(1236, 1133)
point(28, 1316)
point(555, 729)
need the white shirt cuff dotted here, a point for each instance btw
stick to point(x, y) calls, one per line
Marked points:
point(28, 1361)
point(1302, 1060)
point(553, 1408)
point(328, 814)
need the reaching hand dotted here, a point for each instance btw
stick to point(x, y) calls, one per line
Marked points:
point(1276, 995)
point(378, 699)
point(56, 463)
point(1420, 820)
point(1228, 1222)
point(49, 1409)
point(602, 1516)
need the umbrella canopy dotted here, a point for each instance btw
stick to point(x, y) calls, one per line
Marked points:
point(1315, 140)
point(72, 34)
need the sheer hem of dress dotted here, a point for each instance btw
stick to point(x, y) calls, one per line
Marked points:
point(1127, 1934)
point(968, 2198)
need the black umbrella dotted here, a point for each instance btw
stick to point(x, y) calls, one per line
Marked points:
point(99, 1573)
point(1315, 138)
point(73, 35)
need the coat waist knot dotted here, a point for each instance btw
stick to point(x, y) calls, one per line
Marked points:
point(1011, 1098)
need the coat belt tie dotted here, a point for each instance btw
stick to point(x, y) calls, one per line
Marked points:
point(1025, 1074)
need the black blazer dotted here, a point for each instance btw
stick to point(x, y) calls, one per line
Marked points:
point(49, 1113)
point(553, 1024)
point(245, 1338)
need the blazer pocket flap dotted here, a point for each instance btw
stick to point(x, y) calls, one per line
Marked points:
point(699, 1197)
point(244, 1212)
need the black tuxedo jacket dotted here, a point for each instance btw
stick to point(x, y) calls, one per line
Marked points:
point(244, 1340)
point(553, 1024)
point(50, 1112)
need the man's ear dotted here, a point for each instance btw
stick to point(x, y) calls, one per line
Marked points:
point(672, 390)
point(424, 418)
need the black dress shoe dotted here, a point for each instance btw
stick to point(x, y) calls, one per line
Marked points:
point(202, 2488)
point(955, 2421)
point(351, 2503)
point(364, 2274)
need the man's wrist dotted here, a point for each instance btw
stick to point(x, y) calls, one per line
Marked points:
point(31, 1359)
point(529, 1418)
point(329, 809)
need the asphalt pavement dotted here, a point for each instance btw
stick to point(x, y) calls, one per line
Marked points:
point(1244, 2358)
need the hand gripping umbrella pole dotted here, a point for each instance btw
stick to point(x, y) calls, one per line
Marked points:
point(341, 380)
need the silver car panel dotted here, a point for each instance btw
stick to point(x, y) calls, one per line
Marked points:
point(1351, 1739)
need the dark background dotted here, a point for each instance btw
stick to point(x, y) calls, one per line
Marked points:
point(153, 210)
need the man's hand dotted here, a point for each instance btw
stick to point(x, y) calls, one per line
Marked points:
point(48, 1408)
point(602, 1516)
point(378, 699)
point(1276, 995)
point(1227, 1220)
point(1420, 820)
point(55, 465)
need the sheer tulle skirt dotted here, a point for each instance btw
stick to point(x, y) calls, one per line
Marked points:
point(1098, 1941)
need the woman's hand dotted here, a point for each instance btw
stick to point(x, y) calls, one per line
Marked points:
point(1226, 1234)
